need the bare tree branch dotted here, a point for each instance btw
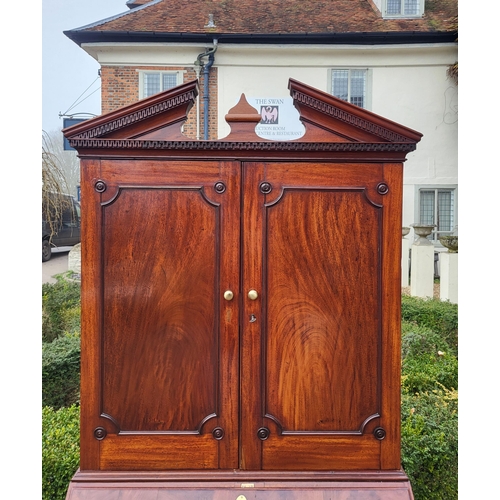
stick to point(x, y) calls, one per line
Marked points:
point(53, 184)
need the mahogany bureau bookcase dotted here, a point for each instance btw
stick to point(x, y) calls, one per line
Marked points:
point(241, 304)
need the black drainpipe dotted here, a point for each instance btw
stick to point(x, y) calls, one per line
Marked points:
point(206, 72)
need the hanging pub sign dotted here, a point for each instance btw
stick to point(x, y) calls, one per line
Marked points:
point(67, 122)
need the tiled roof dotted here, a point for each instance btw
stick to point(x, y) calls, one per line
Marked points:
point(258, 17)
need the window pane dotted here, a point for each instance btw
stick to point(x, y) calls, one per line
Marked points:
point(169, 80)
point(411, 7)
point(445, 211)
point(427, 207)
point(358, 87)
point(151, 84)
point(393, 7)
point(340, 83)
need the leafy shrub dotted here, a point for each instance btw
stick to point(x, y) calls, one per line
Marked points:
point(429, 411)
point(418, 340)
point(429, 443)
point(60, 308)
point(440, 317)
point(426, 372)
point(428, 361)
point(60, 450)
point(61, 371)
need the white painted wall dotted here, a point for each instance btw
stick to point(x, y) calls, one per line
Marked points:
point(408, 84)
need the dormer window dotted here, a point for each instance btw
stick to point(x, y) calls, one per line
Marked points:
point(403, 8)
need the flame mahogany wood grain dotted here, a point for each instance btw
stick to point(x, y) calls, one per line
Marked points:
point(293, 395)
point(164, 373)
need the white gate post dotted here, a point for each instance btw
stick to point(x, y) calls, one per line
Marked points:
point(422, 263)
point(448, 289)
point(405, 255)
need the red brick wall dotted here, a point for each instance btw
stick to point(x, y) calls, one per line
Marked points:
point(120, 86)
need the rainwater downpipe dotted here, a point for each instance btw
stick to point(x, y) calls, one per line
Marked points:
point(206, 72)
point(197, 70)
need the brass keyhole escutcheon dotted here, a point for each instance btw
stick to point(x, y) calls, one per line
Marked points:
point(252, 294)
point(228, 295)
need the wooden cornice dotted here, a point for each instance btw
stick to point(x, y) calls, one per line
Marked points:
point(160, 116)
point(155, 124)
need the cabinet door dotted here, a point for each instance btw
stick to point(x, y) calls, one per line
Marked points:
point(159, 341)
point(320, 342)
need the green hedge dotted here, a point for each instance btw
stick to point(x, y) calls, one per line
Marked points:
point(439, 316)
point(429, 410)
point(429, 443)
point(60, 308)
point(427, 360)
point(60, 450)
point(61, 371)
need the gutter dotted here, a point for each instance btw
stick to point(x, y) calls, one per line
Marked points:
point(351, 38)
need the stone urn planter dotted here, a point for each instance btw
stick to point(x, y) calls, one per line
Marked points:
point(450, 242)
point(406, 230)
point(422, 231)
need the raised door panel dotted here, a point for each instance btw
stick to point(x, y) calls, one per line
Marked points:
point(166, 360)
point(319, 346)
point(322, 321)
point(160, 313)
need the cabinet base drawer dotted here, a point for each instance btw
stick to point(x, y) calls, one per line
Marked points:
point(240, 485)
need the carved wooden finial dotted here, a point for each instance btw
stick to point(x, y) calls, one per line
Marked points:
point(242, 119)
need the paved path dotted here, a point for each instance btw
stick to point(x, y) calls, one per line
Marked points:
point(57, 264)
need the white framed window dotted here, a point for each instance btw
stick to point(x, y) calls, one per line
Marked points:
point(438, 206)
point(403, 8)
point(152, 82)
point(351, 85)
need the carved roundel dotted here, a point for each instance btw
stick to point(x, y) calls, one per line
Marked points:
point(100, 186)
point(218, 433)
point(379, 433)
point(265, 187)
point(263, 433)
point(382, 188)
point(220, 187)
point(100, 433)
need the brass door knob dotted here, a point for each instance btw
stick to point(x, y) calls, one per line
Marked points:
point(228, 295)
point(252, 294)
